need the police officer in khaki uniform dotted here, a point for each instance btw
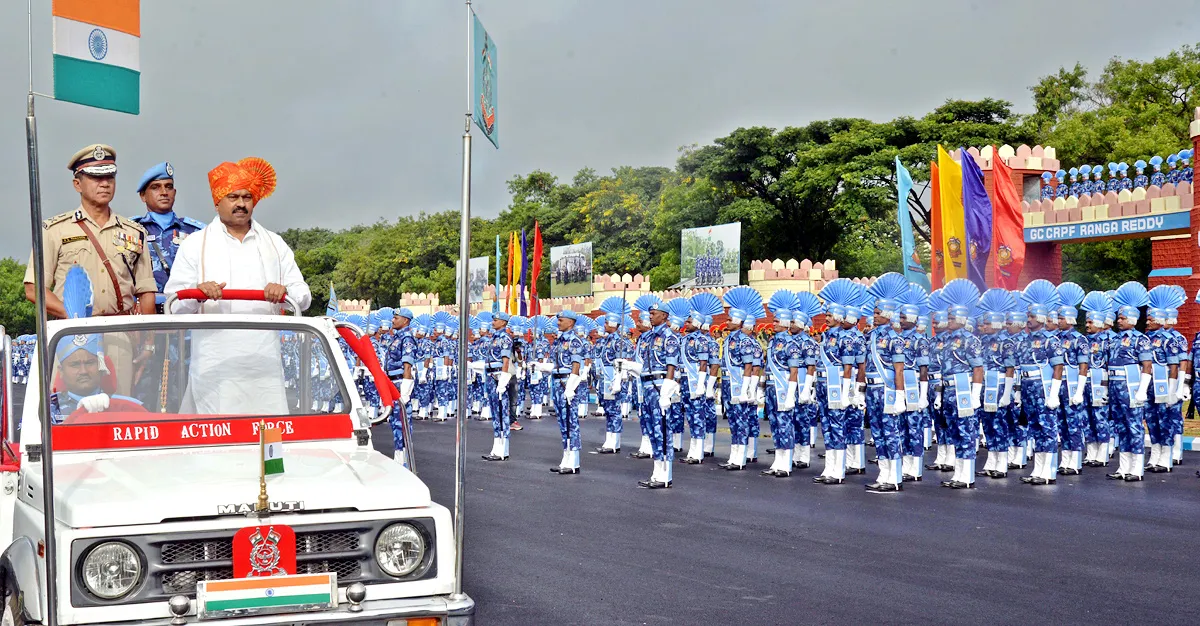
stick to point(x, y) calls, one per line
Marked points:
point(109, 247)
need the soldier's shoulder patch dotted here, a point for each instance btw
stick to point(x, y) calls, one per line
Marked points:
point(194, 223)
point(57, 219)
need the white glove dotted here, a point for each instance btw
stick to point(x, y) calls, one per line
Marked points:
point(808, 393)
point(1172, 391)
point(976, 395)
point(94, 404)
point(1185, 390)
point(1077, 397)
point(665, 393)
point(406, 389)
point(710, 388)
point(899, 406)
point(572, 383)
point(502, 380)
point(477, 366)
point(615, 387)
point(923, 395)
point(1006, 395)
point(697, 386)
point(1143, 386)
point(544, 366)
point(789, 396)
point(847, 392)
point(1052, 400)
point(632, 366)
point(937, 401)
point(746, 394)
point(860, 396)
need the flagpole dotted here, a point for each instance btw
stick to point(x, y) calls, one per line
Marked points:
point(464, 325)
point(50, 562)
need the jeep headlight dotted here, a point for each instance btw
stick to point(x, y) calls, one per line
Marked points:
point(111, 570)
point(399, 549)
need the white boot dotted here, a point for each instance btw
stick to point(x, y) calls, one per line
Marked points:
point(839, 464)
point(486, 412)
point(928, 437)
point(883, 470)
point(616, 441)
point(1112, 446)
point(1176, 449)
point(535, 411)
point(803, 454)
point(1154, 454)
point(737, 455)
point(582, 410)
point(710, 442)
point(497, 447)
point(1038, 460)
point(751, 448)
point(565, 463)
point(667, 472)
point(656, 473)
point(625, 407)
point(645, 447)
point(1123, 461)
point(1137, 464)
point(607, 445)
point(401, 457)
point(1091, 452)
point(575, 459)
point(696, 449)
point(504, 449)
point(785, 465)
point(677, 441)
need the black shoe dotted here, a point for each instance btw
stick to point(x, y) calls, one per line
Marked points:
point(607, 450)
point(691, 461)
point(770, 450)
point(803, 465)
point(638, 455)
point(1115, 476)
point(710, 454)
point(821, 455)
point(884, 488)
point(767, 472)
point(752, 460)
point(782, 474)
point(947, 483)
point(1132, 478)
point(555, 469)
point(955, 484)
point(933, 467)
point(983, 472)
point(653, 484)
point(874, 461)
point(995, 474)
point(909, 478)
point(818, 479)
point(1042, 481)
point(734, 468)
point(1159, 469)
point(828, 480)
point(1027, 479)
point(1069, 471)
point(851, 471)
point(493, 457)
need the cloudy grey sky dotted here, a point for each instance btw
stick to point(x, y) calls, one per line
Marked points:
point(359, 104)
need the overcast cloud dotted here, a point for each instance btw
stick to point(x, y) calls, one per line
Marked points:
point(359, 104)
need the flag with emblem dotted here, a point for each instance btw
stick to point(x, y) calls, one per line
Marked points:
point(272, 451)
point(96, 53)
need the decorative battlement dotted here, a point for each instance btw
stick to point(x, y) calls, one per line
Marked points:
point(1036, 158)
point(354, 306)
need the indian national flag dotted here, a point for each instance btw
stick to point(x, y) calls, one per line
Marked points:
point(249, 594)
point(272, 451)
point(96, 53)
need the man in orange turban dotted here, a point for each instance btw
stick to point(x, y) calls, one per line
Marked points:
point(234, 251)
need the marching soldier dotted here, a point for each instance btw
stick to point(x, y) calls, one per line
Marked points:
point(885, 377)
point(1040, 358)
point(782, 368)
point(1097, 430)
point(999, 364)
point(962, 380)
point(659, 358)
point(1073, 415)
point(1129, 377)
point(609, 349)
point(743, 366)
point(566, 356)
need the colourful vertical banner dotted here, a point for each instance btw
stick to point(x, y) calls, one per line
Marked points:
point(1008, 247)
point(97, 53)
point(512, 273)
point(913, 270)
point(977, 216)
point(524, 273)
point(534, 302)
point(496, 299)
point(954, 230)
point(483, 81)
point(331, 307)
point(938, 258)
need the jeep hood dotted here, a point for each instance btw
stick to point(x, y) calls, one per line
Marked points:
point(125, 489)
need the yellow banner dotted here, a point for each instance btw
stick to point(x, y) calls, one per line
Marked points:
point(954, 229)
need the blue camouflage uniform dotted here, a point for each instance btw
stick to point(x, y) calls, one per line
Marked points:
point(403, 352)
point(783, 354)
point(740, 350)
point(1178, 349)
point(1037, 354)
point(659, 349)
point(1126, 353)
point(539, 382)
point(885, 348)
point(910, 427)
point(1073, 417)
point(1095, 397)
point(499, 348)
point(606, 352)
point(694, 357)
point(998, 357)
point(962, 353)
point(566, 352)
point(1158, 411)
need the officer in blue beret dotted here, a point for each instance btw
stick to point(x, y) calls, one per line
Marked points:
point(164, 229)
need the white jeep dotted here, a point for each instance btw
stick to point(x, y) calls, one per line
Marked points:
point(155, 471)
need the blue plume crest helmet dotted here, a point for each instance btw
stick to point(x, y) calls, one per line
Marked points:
point(1173, 312)
point(745, 305)
point(1156, 161)
point(1085, 170)
point(77, 301)
point(1046, 176)
point(995, 304)
point(914, 302)
point(1097, 304)
point(1061, 175)
point(1162, 298)
point(615, 308)
point(1113, 168)
point(781, 304)
point(1040, 297)
point(808, 307)
point(886, 290)
point(1128, 298)
point(646, 303)
point(842, 299)
point(704, 306)
point(961, 296)
point(1069, 295)
point(678, 310)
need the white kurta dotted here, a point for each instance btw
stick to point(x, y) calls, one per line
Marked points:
point(235, 371)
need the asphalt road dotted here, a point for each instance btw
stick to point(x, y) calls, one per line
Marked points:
point(739, 548)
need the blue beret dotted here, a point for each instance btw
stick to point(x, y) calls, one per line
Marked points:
point(502, 316)
point(162, 171)
point(569, 314)
point(404, 313)
point(71, 343)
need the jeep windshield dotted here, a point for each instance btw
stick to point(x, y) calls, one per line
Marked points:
point(198, 384)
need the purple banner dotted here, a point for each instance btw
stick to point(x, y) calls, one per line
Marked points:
point(977, 210)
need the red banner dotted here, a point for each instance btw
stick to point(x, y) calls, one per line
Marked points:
point(264, 551)
point(1008, 242)
point(129, 430)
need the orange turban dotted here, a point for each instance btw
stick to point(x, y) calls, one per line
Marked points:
point(251, 173)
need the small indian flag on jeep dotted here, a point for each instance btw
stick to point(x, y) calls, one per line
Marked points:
point(272, 594)
point(272, 450)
